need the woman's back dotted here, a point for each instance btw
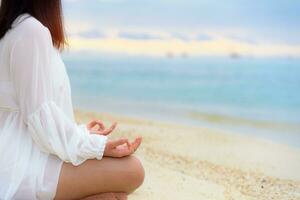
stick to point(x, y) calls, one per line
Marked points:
point(39, 138)
point(23, 165)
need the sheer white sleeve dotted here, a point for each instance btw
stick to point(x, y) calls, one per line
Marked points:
point(49, 126)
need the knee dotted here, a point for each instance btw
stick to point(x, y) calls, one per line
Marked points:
point(136, 173)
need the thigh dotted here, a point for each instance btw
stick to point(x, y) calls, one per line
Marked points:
point(99, 176)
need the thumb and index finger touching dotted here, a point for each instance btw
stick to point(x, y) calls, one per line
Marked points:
point(101, 130)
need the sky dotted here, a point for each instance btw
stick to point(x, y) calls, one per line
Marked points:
point(256, 28)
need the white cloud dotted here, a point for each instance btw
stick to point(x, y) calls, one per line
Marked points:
point(175, 46)
point(146, 41)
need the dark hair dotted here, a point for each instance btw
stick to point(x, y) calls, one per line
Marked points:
point(48, 12)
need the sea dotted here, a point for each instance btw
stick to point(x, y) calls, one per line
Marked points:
point(251, 96)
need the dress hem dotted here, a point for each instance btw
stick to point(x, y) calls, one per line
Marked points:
point(51, 178)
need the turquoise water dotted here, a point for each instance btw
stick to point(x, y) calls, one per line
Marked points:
point(256, 96)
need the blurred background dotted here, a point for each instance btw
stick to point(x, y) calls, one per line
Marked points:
point(232, 65)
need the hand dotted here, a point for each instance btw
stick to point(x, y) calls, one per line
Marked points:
point(101, 129)
point(121, 147)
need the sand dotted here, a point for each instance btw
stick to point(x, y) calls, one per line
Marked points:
point(186, 162)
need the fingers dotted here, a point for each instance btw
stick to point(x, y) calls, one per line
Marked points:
point(121, 147)
point(100, 124)
point(131, 149)
point(90, 125)
point(101, 130)
point(136, 143)
point(108, 131)
point(93, 123)
point(117, 142)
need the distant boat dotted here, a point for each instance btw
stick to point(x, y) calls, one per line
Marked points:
point(184, 55)
point(170, 55)
point(235, 55)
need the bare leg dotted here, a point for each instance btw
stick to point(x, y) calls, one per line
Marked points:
point(99, 176)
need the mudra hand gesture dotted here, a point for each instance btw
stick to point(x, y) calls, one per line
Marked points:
point(114, 148)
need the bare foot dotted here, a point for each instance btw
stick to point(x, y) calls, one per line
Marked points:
point(108, 196)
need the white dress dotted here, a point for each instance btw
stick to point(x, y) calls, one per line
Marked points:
point(37, 127)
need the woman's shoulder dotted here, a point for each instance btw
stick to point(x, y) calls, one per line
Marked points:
point(30, 28)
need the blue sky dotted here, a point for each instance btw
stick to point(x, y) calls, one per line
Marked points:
point(256, 22)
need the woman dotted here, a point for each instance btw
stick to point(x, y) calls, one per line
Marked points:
point(44, 154)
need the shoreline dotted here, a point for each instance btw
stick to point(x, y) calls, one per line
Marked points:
point(277, 131)
point(203, 163)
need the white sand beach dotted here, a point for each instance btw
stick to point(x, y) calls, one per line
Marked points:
point(191, 163)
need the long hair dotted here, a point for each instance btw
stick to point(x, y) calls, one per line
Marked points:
point(48, 12)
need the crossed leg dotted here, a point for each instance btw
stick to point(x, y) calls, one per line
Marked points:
point(93, 177)
point(108, 196)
